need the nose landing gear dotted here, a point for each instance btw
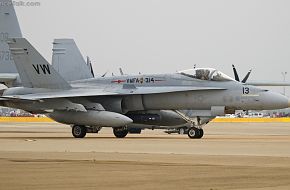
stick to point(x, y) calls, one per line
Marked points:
point(195, 133)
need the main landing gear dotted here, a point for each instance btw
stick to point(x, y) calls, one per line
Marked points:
point(120, 132)
point(79, 131)
point(195, 133)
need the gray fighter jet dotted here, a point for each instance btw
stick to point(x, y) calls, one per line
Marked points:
point(68, 61)
point(108, 102)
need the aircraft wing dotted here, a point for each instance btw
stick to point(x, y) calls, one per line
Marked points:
point(82, 92)
point(258, 83)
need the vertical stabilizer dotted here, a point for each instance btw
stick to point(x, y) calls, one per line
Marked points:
point(9, 28)
point(33, 69)
point(68, 60)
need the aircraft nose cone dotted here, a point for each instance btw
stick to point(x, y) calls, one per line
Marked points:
point(273, 100)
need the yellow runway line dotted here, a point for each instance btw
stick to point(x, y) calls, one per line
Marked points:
point(252, 120)
point(24, 119)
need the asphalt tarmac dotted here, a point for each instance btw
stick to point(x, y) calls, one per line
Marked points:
point(230, 156)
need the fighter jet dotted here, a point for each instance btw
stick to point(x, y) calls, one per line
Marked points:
point(69, 62)
point(107, 102)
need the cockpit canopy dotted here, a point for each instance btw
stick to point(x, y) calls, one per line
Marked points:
point(206, 74)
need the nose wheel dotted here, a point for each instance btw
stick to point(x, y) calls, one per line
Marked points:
point(195, 133)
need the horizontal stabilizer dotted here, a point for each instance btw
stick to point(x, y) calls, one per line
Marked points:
point(8, 77)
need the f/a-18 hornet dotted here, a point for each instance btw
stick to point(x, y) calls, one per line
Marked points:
point(109, 101)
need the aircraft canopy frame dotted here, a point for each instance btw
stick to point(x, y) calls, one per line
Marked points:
point(206, 74)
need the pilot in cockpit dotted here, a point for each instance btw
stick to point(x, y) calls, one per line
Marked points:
point(202, 74)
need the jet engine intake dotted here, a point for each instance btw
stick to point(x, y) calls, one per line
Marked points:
point(217, 110)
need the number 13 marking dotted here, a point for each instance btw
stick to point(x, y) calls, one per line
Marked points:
point(246, 90)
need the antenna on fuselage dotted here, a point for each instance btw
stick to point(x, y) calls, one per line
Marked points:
point(121, 71)
point(105, 74)
point(89, 63)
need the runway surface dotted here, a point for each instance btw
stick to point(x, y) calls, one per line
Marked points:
point(230, 156)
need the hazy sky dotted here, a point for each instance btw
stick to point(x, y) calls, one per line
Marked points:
point(162, 36)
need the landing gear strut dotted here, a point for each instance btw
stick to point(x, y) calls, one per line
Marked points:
point(120, 132)
point(195, 133)
point(79, 131)
point(181, 131)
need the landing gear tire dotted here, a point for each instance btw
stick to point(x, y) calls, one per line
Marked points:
point(79, 131)
point(200, 133)
point(195, 133)
point(120, 132)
